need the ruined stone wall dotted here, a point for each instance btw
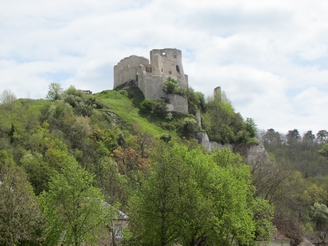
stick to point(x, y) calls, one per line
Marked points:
point(208, 145)
point(150, 77)
point(127, 69)
point(151, 86)
point(168, 63)
point(178, 104)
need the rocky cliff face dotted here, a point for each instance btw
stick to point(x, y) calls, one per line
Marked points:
point(203, 139)
point(253, 154)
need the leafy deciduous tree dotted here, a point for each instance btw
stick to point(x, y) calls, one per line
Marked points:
point(192, 198)
point(55, 92)
point(20, 216)
point(75, 210)
point(7, 97)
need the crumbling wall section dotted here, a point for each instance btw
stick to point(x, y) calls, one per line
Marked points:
point(177, 104)
point(149, 77)
point(151, 86)
point(127, 69)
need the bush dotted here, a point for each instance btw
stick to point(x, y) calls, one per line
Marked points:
point(146, 106)
point(167, 126)
point(196, 101)
point(160, 107)
point(170, 86)
point(166, 137)
point(124, 93)
point(188, 128)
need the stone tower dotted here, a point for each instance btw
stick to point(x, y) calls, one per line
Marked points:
point(217, 93)
point(149, 77)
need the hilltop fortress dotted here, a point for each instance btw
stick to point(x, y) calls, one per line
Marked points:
point(137, 71)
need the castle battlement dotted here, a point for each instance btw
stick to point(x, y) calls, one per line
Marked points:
point(149, 76)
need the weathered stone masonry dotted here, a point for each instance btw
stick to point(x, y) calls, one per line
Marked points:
point(150, 76)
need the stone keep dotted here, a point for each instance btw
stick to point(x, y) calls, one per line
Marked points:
point(149, 77)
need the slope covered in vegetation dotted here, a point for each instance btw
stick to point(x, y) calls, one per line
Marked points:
point(69, 154)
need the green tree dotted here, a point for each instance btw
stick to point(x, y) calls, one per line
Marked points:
point(196, 101)
point(263, 216)
point(37, 170)
point(251, 127)
point(171, 86)
point(153, 218)
point(188, 127)
point(55, 92)
point(146, 106)
point(20, 216)
point(160, 107)
point(192, 198)
point(7, 97)
point(319, 215)
point(74, 209)
point(222, 124)
point(322, 136)
point(324, 150)
point(293, 137)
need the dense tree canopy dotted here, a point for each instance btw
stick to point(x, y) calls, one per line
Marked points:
point(75, 210)
point(78, 150)
point(192, 197)
point(20, 215)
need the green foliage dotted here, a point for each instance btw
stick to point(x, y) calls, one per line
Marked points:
point(167, 126)
point(210, 196)
point(124, 93)
point(171, 86)
point(221, 211)
point(251, 127)
point(160, 107)
point(74, 209)
point(38, 171)
point(166, 137)
point(319, 215)
point(223, 125)
point(157, 107)
point(322, 136)
point(188, 127)
point(20, 216)
point(55, 92)
point(196, 101)
point(305, 154)
point(82, 103)
point(7, 97)
point(324, 150)
point(315, 194)
point(146, 106)
point(263, 215)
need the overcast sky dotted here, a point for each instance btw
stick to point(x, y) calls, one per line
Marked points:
point(270, 57)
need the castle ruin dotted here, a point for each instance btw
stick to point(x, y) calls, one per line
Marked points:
point(137, 71)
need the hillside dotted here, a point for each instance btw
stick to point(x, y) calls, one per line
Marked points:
point(122, 149)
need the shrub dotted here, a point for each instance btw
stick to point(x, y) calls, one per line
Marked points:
point(166, 137)
point(171, 86)
point(146, 106)
point(160, 107)
point(124, 93)
point(188, 128)
point(167, 126)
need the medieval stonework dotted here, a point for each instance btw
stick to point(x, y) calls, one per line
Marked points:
point(150, 76)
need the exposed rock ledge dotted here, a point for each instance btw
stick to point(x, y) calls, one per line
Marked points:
point(253, 154)
point(208, 145)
